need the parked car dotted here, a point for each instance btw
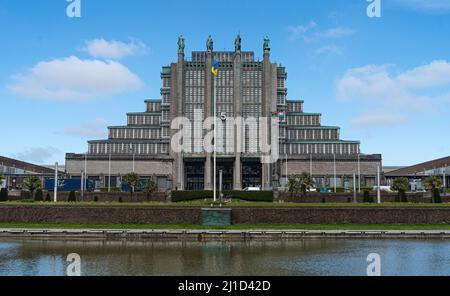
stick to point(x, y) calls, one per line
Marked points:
point(252, 189)
point(383, 188)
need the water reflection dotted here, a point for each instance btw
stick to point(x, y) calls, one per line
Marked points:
point(149, 257)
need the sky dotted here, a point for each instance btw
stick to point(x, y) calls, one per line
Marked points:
point(384, 80)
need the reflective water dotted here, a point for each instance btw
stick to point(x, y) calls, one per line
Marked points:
point(145, 257)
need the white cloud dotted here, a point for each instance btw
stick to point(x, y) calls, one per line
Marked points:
point(73, 79)
point(419, 90)
point(310, 33)
point(329, 49)
point(37, 154)
point(377, 118)
point(115, 50)
point(299, 31)
point(94, 128)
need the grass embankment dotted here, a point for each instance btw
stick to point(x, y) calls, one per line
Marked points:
point(232, 227)
point(202, 203)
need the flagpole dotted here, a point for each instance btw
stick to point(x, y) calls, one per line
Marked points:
point(215, 140)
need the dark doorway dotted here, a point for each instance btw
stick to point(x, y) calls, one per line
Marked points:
point(227, 174)
point(194, 172)
point(252, 174)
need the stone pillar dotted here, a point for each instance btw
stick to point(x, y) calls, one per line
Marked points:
point(208, 113)
point(177, 82)
point(267, 112)
point(237, 91)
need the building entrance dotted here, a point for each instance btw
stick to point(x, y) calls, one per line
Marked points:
point(252, 174)
point(194, 172)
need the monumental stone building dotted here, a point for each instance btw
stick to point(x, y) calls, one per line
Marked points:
point(243, 88)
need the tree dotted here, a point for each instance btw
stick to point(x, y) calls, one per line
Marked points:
point(306, 182)
point(32, 183)
point(293, 185)
point(433, 183)
point(149, 187)
point(39, 196)
point(72, 197)
point(401, 185)
point(132, 180)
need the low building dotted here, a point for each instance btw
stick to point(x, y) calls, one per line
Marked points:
point(416, 173)
point(15, 171)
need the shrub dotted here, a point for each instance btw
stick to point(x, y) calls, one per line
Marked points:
point(39, 195)
point(324, 200)
point(72, 197)
point(437, 196)
point(402, 196)
point(96, 198)
point(48, 198)
point(366, 197)
point(3, 194)
point(266, 196)
point(120, 200)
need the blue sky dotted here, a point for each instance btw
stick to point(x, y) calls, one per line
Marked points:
point(385, 81)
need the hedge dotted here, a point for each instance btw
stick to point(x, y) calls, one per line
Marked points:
point(266, 196)
point(4, 194)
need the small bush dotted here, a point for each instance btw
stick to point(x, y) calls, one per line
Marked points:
point(402, 196)
point(48, 198)
point(72, 197)
point(39, 195)
point(366, 197)
point(120, 200)
point(437, 196)
point(3, 194)
point(263, 196)
point(324, 200)
point(96, 198)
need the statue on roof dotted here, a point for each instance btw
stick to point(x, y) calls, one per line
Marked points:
point(266, 45)
point(209, 44)
point(237, 43)
point(181, 44)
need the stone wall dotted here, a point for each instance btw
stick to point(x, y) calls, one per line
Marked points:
point(240, 215)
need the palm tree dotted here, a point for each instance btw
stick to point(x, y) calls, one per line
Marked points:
point(433, 183)
point(150, 186)
point(132, 180)
point(32, 183)
point(306, 182)
point(293, 185)
point(401, 185)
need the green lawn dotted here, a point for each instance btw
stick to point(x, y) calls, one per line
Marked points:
point(233, 227)
point(202, 203)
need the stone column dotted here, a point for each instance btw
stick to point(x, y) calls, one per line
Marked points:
point(267, 93)
point(208, 113)
point(237, 93)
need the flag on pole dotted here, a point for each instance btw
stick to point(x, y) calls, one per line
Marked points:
point(215, 67)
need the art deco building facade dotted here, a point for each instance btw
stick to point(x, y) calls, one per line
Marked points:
point(244, 88)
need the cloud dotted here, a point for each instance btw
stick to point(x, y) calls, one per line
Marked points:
point(115, 50)
point(377, 118)
point(73, 79)
point(427, 5)
point(309, 32)
point(422, 89)
point(329, 49)
point(94, 128)
point(37, 154)
point(299, 31)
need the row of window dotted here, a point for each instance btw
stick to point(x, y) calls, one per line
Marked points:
point(141, 119)
point(134, 133)
point(309, 134)
point(295, 107)
point(309, 120)
point(153, 106)
point(341, 148)
point(128, 149)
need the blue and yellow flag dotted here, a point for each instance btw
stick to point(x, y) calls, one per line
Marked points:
point(215, 67)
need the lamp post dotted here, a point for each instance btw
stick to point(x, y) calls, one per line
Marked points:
point(334, 172)
point(359, 173)
point(379, 185)
point(109, 168)
point(55, 187)
point(132, 150)
point(85, 171)
point(215, 135)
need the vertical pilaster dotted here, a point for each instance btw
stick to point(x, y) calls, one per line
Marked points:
point(267, 94)
point(237, 93)
point(208, 113)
